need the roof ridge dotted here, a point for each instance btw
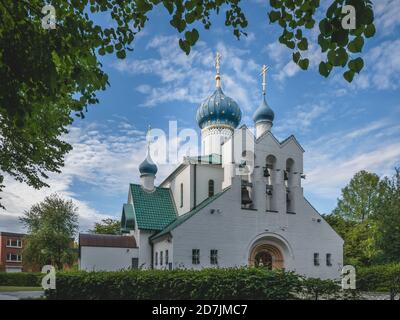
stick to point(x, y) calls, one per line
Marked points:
point(156, 187)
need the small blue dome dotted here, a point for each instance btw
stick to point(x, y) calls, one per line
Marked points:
point(218, 109)
point(148, 167)
point(263, 113)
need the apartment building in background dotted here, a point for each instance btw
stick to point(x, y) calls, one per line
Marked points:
point(11, 246)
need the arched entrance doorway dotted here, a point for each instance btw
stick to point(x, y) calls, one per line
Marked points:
point(266, 255)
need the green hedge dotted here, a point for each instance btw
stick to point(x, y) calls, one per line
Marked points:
point(240, 283)
point(383, 278)
point(21, 279)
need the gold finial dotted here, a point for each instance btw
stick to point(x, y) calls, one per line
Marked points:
point(217, 67)
point(264, 73)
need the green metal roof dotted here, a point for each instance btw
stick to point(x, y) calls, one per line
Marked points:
point(128, 217)
point(153, 210)
point(208, 159)
point(188, 215)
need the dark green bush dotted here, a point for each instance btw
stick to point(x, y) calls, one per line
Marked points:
point(315, 288)
point(239, 283)
point(383, 278)
point(21, 279)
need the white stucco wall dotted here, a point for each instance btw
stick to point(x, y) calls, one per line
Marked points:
point(233, 231)
point(181, 177)
point(162, 246)
point(203, 174)
point(106, 258)
point(145, 261)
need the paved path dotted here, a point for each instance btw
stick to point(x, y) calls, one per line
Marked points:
point(20, 295)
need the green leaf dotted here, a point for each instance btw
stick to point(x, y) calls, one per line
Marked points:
point(102, 51)
point(299, 34)
point(325, 69)
point(325, 27)
point(184, 46)
point(121, 54)
point(303, 44)
point(310, 24)
point(169, 5)
point(110, 49)
point(356, 45)
point(290, 44)
point(304, 63)
point(192, 36)
point(296, 57)
point(323, 43)
point(274, 16)
point(366, 16)
point(370, 31)
point(356, 65)
point(341, 37)
point(349, 75)
point(275, 4)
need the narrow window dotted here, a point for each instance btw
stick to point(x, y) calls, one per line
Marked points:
point(316, 259)
point(213, 256)
point(166, 257)
point(181, 205)
point(135, 263)
point(210, 188)
point(328, 259)
point(195, 256)
point(161, 258)
point(156, 259)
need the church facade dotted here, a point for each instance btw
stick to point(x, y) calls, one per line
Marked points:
point(239, 203)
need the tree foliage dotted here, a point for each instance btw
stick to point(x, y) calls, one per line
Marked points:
point(359, 198)
point(47, 75)
point(52, 225)
point(388, 219)
point(339, 44)
point(107, 226)
point(367, 217)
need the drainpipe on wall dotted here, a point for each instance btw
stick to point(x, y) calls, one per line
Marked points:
point(194, 186)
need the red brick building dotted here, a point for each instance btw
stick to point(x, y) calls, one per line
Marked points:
point(11, 246)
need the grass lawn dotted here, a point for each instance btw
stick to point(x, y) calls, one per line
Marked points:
point(15, 289)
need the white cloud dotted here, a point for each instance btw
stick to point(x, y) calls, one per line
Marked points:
point(191, 78)
point(381, 69)
point(104, 159)
point(332, 160)
point(301, 118)
point(284, 67)
point(332, 174)
point(387, 14)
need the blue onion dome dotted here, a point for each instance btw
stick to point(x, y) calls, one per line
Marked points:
point(148, 167)
point(218, 109)
point(263, 113)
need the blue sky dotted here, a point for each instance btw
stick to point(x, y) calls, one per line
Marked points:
point(343, 127)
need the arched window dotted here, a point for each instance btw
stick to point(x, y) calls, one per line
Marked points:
point(181, 205)
point(210, 188)
point(269, 168)
point(289, 180)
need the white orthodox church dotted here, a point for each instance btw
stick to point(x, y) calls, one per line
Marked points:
point(240, 203)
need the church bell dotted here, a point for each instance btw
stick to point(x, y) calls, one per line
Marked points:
point(245, 196)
